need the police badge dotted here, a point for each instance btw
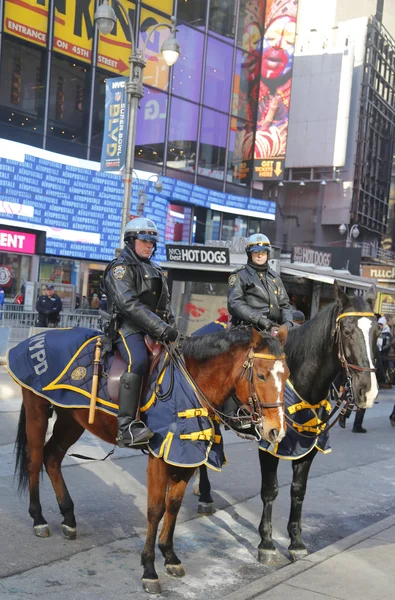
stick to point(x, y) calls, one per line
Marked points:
point(119, 272)
point(78, 373)
point(232, 280)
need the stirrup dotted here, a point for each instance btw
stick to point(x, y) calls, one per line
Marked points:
point(130, 440)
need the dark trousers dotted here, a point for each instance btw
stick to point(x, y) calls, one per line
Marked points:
point(134, 352)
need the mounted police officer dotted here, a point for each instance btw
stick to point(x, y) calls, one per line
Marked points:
point(256, 294)
point(48, 306)
point(139, 303)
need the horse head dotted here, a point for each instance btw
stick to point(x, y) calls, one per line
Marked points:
point(356, 335)
point(260, 385)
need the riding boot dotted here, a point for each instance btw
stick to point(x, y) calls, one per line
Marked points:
point(342, 421)
point(357, 428)
point(131, 433)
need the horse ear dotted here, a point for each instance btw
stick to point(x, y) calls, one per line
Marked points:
point(340, 296)
point(282, 335)
point(371, 296)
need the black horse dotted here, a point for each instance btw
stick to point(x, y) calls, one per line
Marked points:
point(342, 336)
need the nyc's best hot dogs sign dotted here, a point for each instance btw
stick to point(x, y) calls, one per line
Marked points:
point(74, 31)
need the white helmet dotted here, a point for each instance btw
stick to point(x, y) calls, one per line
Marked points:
point(258, 243)
point(141, 228)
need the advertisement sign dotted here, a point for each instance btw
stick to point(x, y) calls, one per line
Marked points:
point(197, 254)
point(113, 154)
point(114, 49)
point(73, 29)
point(330, 257)
point(275, 89)
point(27, 20)
point(17, 241)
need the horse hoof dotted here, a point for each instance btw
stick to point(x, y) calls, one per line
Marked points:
point(41, 531)
point(196, 489)
point(175, 570)
point(206, 508)
point(268, 557)
point(297, 554)
point(151, 586)
point(69, 532)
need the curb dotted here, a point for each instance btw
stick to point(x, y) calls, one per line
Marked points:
point(268, 582)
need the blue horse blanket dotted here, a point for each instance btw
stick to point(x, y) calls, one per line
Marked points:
point(305, 430)
point(58, 365)
point(184, 433)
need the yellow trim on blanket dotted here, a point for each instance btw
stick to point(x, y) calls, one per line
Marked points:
point(67, 367)
point(194, 412)
point(224, 325)
point(154, 393)
point(295, 457)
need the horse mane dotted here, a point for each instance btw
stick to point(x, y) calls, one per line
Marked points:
point(313, 337)
point(212, 345)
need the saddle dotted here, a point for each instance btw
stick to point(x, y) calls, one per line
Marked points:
point(118, 367)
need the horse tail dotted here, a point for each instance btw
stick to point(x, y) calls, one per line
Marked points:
point(21, 463)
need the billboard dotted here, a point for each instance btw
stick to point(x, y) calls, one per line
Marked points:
point(275, 89)
point(114, 49)
point(27, 20)
point(113, 155)
point(73, 29)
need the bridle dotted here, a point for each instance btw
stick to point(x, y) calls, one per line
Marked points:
point(256, 407)
point(337, 336)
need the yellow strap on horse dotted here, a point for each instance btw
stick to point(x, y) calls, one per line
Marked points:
point(194, 412)
point(355, 314)
point(303, 404)
point(267, 356)
point(206, 435)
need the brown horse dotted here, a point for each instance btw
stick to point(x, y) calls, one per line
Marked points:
point(241, 361)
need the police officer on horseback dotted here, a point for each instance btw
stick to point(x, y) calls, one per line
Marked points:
point(138, 303)
point(256, 294)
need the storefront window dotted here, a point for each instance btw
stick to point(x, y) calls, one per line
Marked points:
point(233, 226)
point(178, 224)
point(151, 127)
point(192, 12)
point(197, 303)
point(213, 144)
point(14, 272)
point(68, 106)
point(213, 225)
point(187, 72)
point(55, 270)
point(222, 17)
point(218, 75)
point(182, 135)
point(22, 92)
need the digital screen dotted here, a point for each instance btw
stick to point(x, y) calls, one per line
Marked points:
point(80, 207)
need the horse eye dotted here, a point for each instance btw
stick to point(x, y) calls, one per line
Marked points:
point(261, 376)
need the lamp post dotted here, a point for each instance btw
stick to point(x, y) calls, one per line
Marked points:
point(352, 233)
point(142, 192)
point(105, 19)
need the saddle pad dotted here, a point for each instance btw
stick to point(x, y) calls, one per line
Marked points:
point(184, 433)
point(58, 365)
point(308, 421)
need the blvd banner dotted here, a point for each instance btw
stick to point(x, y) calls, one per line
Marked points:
point(113, 156)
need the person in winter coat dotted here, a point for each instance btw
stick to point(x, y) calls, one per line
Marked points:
point(49, 307)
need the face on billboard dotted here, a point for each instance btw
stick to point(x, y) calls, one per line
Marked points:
point(251, 41)
point(278, 47)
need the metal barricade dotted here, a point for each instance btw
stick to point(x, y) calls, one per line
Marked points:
point(20, 321)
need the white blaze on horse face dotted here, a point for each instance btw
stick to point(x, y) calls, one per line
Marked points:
point(364, 325)
point(277, 371)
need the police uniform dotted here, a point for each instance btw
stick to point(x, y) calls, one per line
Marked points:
point(256, 295)
point(138, 301)
point(48, 308)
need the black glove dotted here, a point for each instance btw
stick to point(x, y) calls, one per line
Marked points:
point(289, 325)
point(265, 324)
point(169, 335)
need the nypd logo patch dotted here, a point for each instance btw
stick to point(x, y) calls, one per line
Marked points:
point(232, 280)
point(119, 272)
point(78, 373)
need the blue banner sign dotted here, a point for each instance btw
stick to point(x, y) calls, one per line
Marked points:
point(113, 155)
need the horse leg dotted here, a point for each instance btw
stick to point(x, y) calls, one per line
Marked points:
point(65, 433)
point(301, 468)
point(37, 415)
point(267, 552)
point(206, 503)
point(157, 478)
point(177, 483)
point(196, 483)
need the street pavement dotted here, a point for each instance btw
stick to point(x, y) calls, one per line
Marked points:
point(348, 524)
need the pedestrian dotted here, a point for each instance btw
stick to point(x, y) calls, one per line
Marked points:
point(77, 301)
point(256, 294)
point(298, 317)
point(85, 303)
point(139, 303)
point(103, 302)
point(384, 343)
point(95, 302)
point(2, 299)
point(49, 307)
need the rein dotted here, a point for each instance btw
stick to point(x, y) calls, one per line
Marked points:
point(255, 405)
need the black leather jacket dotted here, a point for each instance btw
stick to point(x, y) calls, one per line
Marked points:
point(257, 296)
point(48, 309)
point(137, 291)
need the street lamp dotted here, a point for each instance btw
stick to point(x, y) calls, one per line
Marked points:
point(105, 19)
point(352, 232)
point(142, 191)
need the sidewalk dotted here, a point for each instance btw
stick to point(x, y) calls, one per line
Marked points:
point(358, 567)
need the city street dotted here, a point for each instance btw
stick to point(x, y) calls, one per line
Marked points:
point(348, 490)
